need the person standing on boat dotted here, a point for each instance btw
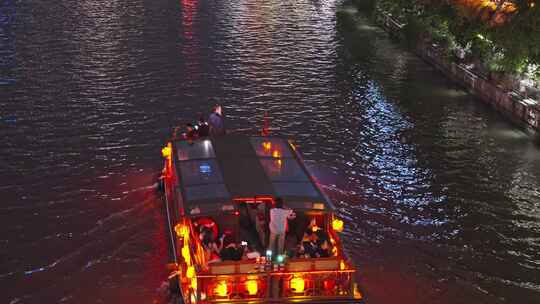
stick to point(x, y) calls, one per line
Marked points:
point(279, 217)
point(216, 123)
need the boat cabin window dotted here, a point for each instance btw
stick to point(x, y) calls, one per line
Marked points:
point(283, 170)
point(195, 150)
point(196, 172)
point(202, 180)
point(205, 192)
point(295, 189)
point(270, 147)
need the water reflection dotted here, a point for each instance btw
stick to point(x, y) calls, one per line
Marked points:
point(439, 196)
point(7, 42)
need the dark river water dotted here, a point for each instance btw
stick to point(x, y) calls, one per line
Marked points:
point(440, 196)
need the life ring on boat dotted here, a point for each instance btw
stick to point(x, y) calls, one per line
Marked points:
point(208, 222)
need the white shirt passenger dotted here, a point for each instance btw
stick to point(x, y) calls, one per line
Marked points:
point(278, 220)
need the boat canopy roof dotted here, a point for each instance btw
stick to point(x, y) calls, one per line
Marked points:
point(214, 171)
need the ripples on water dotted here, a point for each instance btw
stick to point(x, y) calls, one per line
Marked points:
point(440, 197)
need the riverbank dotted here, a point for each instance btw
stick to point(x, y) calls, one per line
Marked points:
point(521, 110)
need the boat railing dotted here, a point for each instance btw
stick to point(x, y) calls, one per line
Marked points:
point(313, 278)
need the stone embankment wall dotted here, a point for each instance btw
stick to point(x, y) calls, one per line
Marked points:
point(521, 110)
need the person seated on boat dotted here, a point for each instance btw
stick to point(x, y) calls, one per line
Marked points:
point(315, 244)
point(211, 248)
point(309, 247)
point(190, 133)
point(206, 222)
point(176, 135)
point(313, 225)
point(249, 253)
point(323, 244)
point(202, 127)
point(230, 250)
point(215, 121)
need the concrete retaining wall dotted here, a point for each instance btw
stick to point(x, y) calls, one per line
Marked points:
point(521, 110)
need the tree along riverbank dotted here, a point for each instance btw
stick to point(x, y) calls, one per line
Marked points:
point(522, 110)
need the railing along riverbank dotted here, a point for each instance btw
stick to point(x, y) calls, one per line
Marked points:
point(522, 110)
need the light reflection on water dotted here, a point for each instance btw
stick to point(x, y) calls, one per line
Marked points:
point(7, 43)
point(440, 198)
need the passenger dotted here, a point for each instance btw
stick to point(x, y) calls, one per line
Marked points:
point(323, 244)
point(313, 225)
point(260, 223)
point(309, 247)
point(191, 133)
point(324, 250)
point(175, 133)
point(315, 244)
point(203, 128)
point(249, 253)
point(278, 226)
point(216, 123)
point(231, 251)
point(211, 248)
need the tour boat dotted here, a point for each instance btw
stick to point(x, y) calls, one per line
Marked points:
point(228, 184)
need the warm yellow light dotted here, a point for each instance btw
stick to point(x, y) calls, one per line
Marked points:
point(181, 231)
point(267, 145)
point(167, 151)
point(297, 284)
point(194, 283)
point(252, 287)
point(184, 232)
point(276, 154)
point(186, 255)
point(342, 265)
point(190, 272)
point(337, 225)
point(221, 289)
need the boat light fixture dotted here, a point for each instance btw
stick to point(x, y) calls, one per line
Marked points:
point(221, 289)
point(252, 287)
point(297, 284)
point(190, 272)
point(337, 224)
point(167, 151)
